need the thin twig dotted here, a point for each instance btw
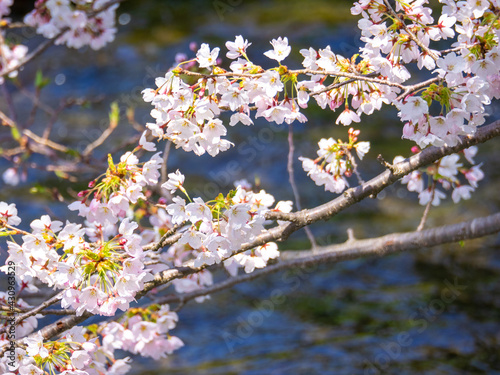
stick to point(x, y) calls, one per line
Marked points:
point(427, 208)
point(166, 153)
point(168, 238)
point(340, 84)
point(354, 167)
point(38, 51)
point(10, 103)
point(291, 179)
point(386, 164)
point(410, 33)
point(411, 89)
point(358, 77)
point(45, 142)
point(7, 121)
point(35, 310)
point(43, 46)
point(99, 141)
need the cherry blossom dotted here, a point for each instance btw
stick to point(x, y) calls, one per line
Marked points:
point(8, 214)
point(207, 57)
point(237, 48)
point(280, 50)
point(174, 182)
point(51, 18)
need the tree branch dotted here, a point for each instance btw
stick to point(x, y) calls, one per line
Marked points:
point(353, 249)
point(378, 183)
point(351, 196)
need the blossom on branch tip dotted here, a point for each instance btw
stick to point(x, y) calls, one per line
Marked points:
point(8, 214)
point(174, 182)
point(237, 48)
point(280, 50)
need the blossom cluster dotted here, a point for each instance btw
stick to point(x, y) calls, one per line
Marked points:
point(143, 331)
point(10, 54)
point(77, 352)
point(466, 75)
point(219, 228)
point(186, 109)
point(101, 265)
point(447, 173)
point(91, 350)
point(98, 276)
point(187, 103)
point(81, 22)
point(335, 161)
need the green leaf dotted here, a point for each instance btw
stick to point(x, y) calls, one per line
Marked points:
point(15, 133)
point(62, 175)
point(40, 80)
point(93, 328)
point(89, 268)
point(111, 164)
point(114, 115)
point(72, 152)
point(38, 189)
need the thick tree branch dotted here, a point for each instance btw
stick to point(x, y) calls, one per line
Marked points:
point(353, 249)
point(378, 183)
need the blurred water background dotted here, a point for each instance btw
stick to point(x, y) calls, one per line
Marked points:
point(373, 316)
